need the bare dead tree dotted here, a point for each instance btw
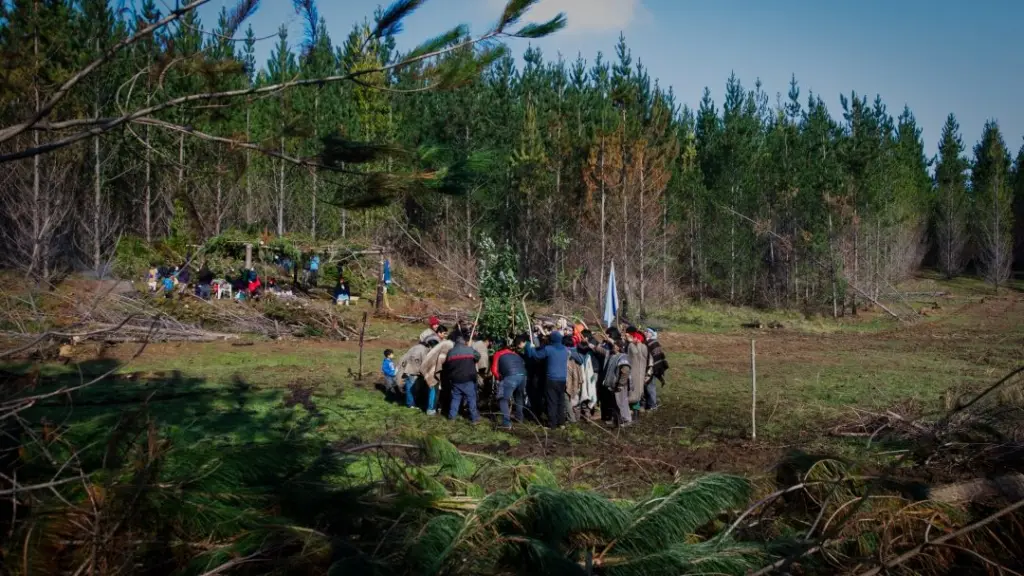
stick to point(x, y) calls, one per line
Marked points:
point(995, 233)
point(37, 204)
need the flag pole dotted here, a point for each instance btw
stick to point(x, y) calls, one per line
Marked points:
point(615, 299)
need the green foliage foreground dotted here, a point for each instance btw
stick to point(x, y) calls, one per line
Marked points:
point(153, 500)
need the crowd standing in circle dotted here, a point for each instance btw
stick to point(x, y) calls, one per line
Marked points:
point(555, 374)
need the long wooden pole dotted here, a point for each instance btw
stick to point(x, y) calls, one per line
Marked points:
point(753, 386)
point(472, 331)
point(529, 328)
point(362, 334)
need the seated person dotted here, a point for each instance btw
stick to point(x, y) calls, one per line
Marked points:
point(254, 285)
point(204, 287)
point(168, 286)
point(341, 292)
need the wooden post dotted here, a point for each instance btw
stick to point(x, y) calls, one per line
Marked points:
point(248, 256)
point(753, 386)
point(380, 286)
point(362, 334)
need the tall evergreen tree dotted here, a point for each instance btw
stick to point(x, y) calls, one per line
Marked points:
point(951, 202)
point(993, 205)
point(1018, 210)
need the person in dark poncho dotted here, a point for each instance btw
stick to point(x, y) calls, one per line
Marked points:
point(460, 369)
point(659, 364)
point(615, 378)
point(557, 356)
point(205, 282)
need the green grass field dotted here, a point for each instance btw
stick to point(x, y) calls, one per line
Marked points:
point(811, 373)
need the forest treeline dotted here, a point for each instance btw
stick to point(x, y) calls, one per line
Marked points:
point(757, 199)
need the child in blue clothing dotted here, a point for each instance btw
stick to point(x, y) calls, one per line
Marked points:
point(389, 370)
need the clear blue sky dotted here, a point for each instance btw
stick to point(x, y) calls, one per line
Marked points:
point(938, 56)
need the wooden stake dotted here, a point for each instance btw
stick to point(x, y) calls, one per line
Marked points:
point(753, 386)
point(472, 331)
point(362, 334)
point(248, 256)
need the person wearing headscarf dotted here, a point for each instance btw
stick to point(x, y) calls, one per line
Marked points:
point(431, 330)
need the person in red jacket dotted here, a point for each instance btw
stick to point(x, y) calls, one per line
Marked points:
point(509, 370)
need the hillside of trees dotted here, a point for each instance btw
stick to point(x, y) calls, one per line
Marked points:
point(762, 199)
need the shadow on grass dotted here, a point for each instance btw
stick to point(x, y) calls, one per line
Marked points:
point(168, 473)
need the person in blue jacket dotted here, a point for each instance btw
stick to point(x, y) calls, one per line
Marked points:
point(388, 368)
point(557, 356)
point(314, 270)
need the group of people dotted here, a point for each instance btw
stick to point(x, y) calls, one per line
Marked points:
point(555, 372)
point(247, 285)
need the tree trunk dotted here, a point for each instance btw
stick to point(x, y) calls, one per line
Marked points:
point(641, 231)
point(604, 257)
point(37, 210)
point(181, 181)
point(559, 254)
point(249, 213)
point(218, 209)
point(693, 250)
point(625, 213)
point(35, 266)
point(97, 205)
point(148, 182)
point(832, 259)
point(280, 197)
point(664, 244)
point(469, 233)
point(856, 259)
point(148, 191)
point(732, 249)
point(312, 223)
point(997, 242)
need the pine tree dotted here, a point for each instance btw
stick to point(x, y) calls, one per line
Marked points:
point(282, 67)
point(1018, 209)
point(951, 202)
point(993, 205)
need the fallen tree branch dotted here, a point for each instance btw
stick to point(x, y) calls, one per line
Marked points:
point(987, 391)
point(917, 550)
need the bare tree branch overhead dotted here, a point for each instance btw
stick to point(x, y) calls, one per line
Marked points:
point(389, 24)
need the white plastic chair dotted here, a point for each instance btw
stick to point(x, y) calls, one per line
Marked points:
point(223, 289)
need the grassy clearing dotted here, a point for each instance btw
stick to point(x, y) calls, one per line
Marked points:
point(810, 374)
point(716, 318)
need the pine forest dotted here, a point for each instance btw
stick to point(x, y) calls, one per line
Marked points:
point(457, 305)
point(759, 198)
